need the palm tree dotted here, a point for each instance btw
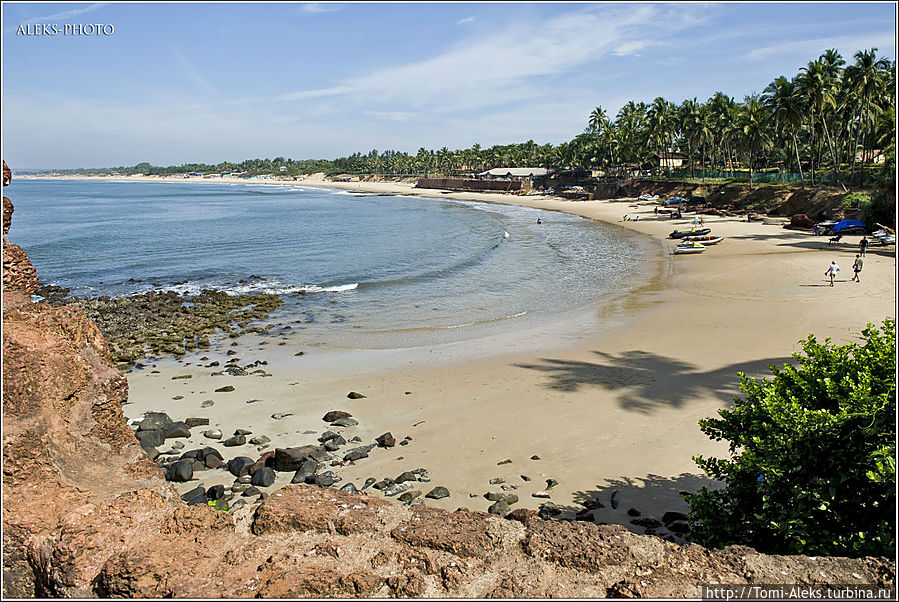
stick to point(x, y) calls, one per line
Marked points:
point(817, 82)
point(785, 104)
point(594, 122)
point(690, 126)
point(753, 121)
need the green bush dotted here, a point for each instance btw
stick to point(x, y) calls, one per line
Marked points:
point(855, 199)
point(812, 467)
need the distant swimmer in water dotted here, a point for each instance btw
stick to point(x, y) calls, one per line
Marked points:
point(538, 221)
point(505, 234)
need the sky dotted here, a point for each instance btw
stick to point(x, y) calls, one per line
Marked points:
point(212, 82)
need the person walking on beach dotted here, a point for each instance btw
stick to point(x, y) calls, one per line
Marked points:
point(863, 245)
point(832, 271)
point(857, 267)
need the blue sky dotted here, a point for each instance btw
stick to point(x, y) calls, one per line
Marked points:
point(210, 82)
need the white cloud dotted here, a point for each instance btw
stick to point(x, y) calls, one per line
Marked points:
point(465, 20)
point(812, 48)
point(319, 7)
point(510, 64)
point(307, 94)
point(192, 73)
point(68, 14)
point(392, 115)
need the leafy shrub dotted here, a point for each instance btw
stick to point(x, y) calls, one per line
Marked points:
point(855, 199)
point(812, 467)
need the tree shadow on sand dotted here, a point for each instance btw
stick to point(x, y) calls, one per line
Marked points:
point(653, 497)
point(645, 381)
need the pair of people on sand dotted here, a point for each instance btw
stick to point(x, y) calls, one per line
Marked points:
point(833, 268)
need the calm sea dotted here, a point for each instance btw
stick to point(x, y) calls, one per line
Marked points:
point(377, 271)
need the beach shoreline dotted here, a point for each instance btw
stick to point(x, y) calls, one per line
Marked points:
point(608, 410)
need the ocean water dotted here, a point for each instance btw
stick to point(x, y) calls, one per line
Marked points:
point(355, 270)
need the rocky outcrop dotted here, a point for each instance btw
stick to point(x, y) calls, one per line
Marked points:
point(87, 514)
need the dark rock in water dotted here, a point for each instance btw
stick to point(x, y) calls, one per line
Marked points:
point(356, 439)
point(540, 494)
point(358, 453)
point(535, 457)
point(280, 416)
point(368, 483)
point(264, 477)
point(216, 492)
point(409, 495)
point(506, 461)
point(354, 395)
point(213, 434)
point(207, 403)
point(438, 493)
point(213, 462)
point(240, 466)
point(336, 415)
point(235, 441)
point(213, 364)
point(349, 488)
point(225, 389)
point(670, 517)
point(182, 377)
point(346, 422)
point(154, 421)
point(550, 483)
point(614, 500)
point(525, 478)
point(386, 440)
point(176, 429)
point(383, 484)
point(633, 512)
point(242, 432)
point(259, 440)
point(181, 471)
point(251, 491)
point(497, 481)
point(195, 496)
point(153, 438)
point(499, 509)
point(192, 422)
point(548, 510)
point(647, 521)
point(406, 476)
point(404, 442)
point(678, 527)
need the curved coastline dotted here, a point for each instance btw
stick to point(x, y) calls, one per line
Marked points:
point(609, 410)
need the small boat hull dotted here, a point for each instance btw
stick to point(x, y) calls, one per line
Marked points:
point(689, 248)
point(700, 232)
point(706, 240)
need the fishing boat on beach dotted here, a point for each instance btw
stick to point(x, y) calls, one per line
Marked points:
point(700, 232)
point(686, 248)
point(708, 239)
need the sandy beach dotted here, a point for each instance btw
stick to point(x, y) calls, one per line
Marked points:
point(607, 401)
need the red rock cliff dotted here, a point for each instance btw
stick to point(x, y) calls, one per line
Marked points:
point(87, 514)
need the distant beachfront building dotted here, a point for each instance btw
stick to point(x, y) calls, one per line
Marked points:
point(514, 172)
point(668, 159)
point(870, 155)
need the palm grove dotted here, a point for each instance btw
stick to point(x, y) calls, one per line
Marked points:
point(823, 124)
